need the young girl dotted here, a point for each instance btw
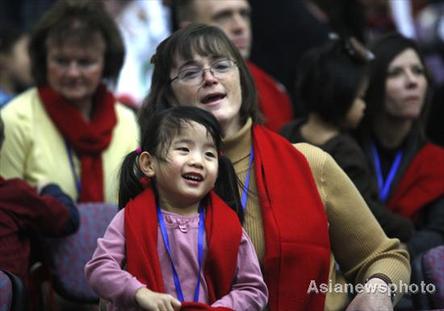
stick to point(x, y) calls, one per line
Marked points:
point(176, 245)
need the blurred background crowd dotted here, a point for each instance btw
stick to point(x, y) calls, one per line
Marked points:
point(298, 95)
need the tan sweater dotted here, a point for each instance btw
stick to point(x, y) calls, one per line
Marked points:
point(359, 246)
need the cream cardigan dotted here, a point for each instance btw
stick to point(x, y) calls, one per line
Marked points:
point(35, 151)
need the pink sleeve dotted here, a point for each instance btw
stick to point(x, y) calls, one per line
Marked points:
point(104, 271)
point(249, 291)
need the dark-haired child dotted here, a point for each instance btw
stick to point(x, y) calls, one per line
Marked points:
point(176, 245)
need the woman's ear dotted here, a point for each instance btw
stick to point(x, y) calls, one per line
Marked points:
point(146, 164)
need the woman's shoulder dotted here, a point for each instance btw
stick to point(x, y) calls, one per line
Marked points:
point(322, 164)
point(125, 112)
point(316, 157)
point(22, 105)
point(127, 118)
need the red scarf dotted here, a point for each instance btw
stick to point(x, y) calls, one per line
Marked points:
point(88, 138)
point(273, 101)
point(297, 246)
point(223, 234)
point(422, 182)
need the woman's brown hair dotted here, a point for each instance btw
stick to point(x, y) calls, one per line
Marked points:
point(77, 20)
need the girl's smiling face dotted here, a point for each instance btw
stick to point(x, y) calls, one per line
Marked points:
point(190, 169)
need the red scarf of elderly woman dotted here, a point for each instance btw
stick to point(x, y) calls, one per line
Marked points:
point(88, 139)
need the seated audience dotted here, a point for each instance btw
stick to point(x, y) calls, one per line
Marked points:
point(296, 199)
point(339, 69)
point(70, 130)
point(407, 169)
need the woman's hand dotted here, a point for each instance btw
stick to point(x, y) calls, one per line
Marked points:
point(374, 297)
point(152, 301)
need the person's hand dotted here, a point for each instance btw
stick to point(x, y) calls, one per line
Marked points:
point(374, 297)
point(152, 301)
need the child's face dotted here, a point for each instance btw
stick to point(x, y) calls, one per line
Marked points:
point(190, 169)
point(356, 111)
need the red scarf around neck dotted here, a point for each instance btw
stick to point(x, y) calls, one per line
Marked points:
point(421, 183)
point(223, 233)
point(297, 245)
point(87, 138)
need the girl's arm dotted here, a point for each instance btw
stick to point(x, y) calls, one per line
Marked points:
point(249, 291)
point(104, 271)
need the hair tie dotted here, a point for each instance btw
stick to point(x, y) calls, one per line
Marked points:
point(138, 150)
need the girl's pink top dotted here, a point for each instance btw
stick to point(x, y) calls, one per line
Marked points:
point(118, 287)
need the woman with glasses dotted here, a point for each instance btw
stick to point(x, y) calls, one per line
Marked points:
point(296, 199)
point(69, 129)
point(408, 169)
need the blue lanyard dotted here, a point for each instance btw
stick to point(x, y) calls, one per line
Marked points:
point(73, 169)
point(244, 196)
point(166, 242)
point(384, 186)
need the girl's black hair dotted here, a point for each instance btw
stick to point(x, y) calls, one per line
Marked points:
point(158, 133)
point(330, 77)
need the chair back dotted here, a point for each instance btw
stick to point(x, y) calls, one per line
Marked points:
point(66, 257)
point(12, 292)
point(5, 292)
point(429, 269)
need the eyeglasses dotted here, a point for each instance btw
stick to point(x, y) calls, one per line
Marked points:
point(193, 75)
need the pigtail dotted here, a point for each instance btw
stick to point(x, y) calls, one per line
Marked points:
point(227, 186)
point(129, 182)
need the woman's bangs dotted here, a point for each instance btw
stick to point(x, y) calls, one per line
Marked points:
point(204, 46)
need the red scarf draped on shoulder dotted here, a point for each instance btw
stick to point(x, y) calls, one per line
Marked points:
point(297, 246)
point(422, 182)
point(223, 234)
point(274, 101)
point(87, 138)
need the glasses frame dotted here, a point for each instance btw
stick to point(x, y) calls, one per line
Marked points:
point(203, 69)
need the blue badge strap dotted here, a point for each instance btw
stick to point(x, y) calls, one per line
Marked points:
point(384, 186)
point(244, 196)
point(166, 242)
point(73, 169)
